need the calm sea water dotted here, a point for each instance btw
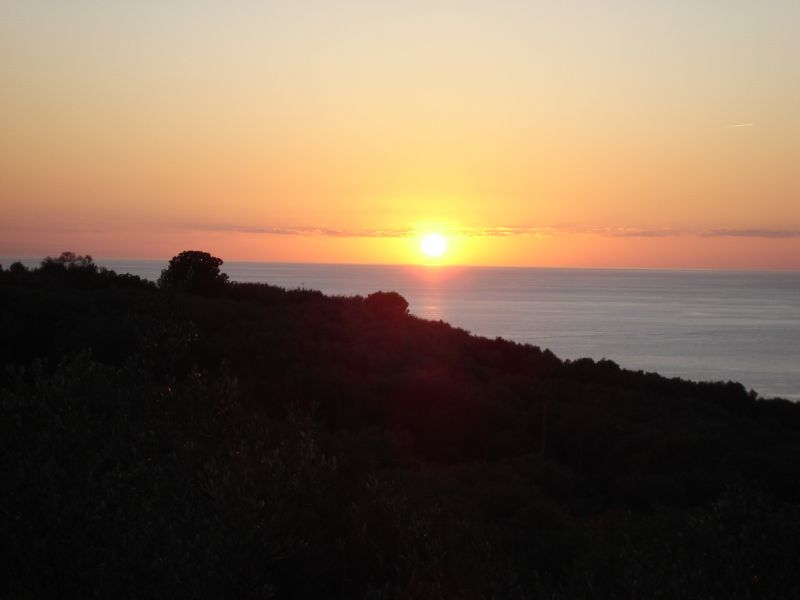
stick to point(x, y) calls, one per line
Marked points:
point(701, 325)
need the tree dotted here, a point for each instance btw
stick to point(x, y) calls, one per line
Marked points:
point(193, 271)
point(69, 261)
point(17, 268)
point(387, 303)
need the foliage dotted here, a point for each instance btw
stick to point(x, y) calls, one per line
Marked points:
point(17, 268)
point(387, 303)
point(193, 271)
point(258, 442)
point(69, 260)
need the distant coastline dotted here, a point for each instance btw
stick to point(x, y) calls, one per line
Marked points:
point(698, 325)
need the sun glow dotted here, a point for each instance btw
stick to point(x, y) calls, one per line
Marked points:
point(434, 245)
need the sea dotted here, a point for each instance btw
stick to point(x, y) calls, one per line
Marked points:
point(701, 325)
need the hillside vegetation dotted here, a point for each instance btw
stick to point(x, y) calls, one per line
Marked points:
point(201, 438)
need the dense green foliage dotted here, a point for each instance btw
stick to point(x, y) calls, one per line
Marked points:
point(241, 440)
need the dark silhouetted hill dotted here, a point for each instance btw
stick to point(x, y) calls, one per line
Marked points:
point(204, 438)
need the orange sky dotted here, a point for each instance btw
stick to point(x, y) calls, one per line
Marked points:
point(549, 134)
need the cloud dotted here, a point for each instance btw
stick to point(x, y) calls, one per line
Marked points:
point(496, 231)
point(633, 232)
point(382, 232)
point(311, 231)
point(752, 233)
point(540, 231)
point(735, 125)
point(503, 232)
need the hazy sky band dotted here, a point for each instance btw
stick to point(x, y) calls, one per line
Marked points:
point(502, 232)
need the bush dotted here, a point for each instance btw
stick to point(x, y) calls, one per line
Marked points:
point(193, 271)
point(387, 303)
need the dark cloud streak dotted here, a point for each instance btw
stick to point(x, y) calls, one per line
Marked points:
point(518, 231)
point(753, 233)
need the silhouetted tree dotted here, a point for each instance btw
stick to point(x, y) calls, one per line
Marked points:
point(387, 303)
point(193, 271)
point(69, 260)
point(14, 272)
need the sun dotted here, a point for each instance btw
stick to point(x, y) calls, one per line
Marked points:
point(434, 245)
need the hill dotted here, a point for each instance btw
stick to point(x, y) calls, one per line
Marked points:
point(203, 438)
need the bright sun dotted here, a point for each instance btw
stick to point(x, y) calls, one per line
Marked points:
point(434, 245)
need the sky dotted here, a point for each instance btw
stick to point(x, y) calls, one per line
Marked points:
point(563, 134)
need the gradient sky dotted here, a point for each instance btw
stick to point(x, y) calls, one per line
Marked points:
point(609, 134)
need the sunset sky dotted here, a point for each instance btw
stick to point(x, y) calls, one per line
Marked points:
point(598, 134)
